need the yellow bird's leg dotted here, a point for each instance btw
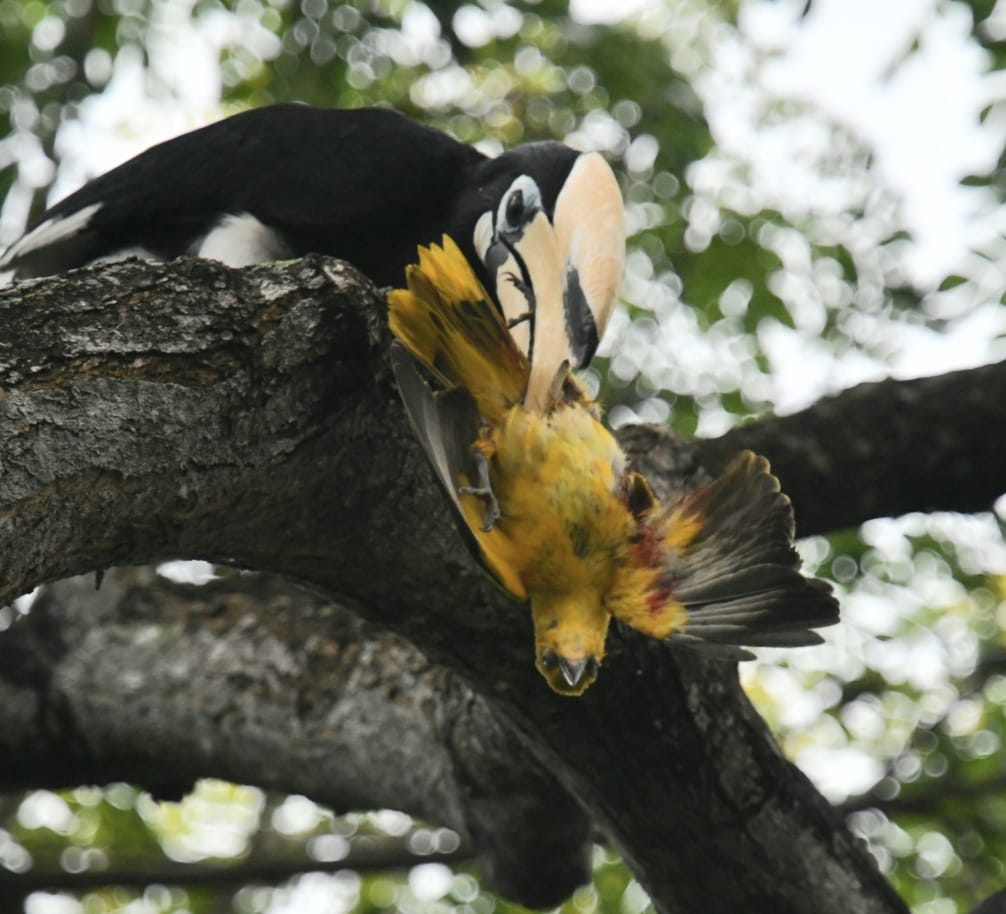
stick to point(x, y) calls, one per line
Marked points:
point(528, 294)
point(484, 489)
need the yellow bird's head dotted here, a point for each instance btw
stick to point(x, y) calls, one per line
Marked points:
point(569, 634)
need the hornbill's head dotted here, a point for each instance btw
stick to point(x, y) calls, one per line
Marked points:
point(535, 207)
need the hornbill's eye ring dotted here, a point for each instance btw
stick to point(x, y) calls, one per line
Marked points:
point(518, 206)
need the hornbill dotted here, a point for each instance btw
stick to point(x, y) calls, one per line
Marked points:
point(366, 185)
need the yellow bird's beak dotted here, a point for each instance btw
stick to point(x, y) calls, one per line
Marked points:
point(569, 631)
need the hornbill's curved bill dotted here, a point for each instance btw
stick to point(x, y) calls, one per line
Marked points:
point(367, 186)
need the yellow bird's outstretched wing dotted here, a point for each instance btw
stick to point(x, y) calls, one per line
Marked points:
point(723, 571)
point(448, 321)
point(447, 424)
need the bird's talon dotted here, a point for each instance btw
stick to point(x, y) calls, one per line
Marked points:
point(484, 490)
point(492, 510)
point(525, 289)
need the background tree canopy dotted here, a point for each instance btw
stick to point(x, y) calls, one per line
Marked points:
point(776, 254)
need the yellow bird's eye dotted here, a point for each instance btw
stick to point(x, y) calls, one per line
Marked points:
point(549, 660)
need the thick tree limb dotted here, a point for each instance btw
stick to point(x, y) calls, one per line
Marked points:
point(884, 449)
point(247, 417)
point(252, 679)
point(270, 862)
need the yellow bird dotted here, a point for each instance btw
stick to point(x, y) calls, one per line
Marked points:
point(550, 508)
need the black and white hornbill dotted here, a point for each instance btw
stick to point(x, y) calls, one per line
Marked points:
point(365, 185)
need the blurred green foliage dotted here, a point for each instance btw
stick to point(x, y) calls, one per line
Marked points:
point(913, 689)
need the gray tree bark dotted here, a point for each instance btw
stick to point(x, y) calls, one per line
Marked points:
point(248, 418)
point(253, 679)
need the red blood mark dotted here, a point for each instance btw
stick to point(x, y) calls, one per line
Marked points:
point(656, 600)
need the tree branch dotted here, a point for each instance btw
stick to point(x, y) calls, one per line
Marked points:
point(247, 417)
point(384, 856)
point(884, 449)
point(254, 680)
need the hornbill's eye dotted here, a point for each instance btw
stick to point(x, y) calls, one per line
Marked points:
point(518, 206)
point(515, 208)
point(549, 660)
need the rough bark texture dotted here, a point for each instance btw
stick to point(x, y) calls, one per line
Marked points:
point(877, 450)
point(248, 417)
point(255, 680)
point(884, 449)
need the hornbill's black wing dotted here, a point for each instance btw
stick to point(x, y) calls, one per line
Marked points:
point(363, 185)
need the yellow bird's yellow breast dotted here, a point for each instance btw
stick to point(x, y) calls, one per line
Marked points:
point(562, 523)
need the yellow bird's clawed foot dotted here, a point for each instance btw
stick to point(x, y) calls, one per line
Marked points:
point(527, 291)
point(484, 490)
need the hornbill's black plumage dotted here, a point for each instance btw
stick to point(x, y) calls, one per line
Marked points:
point(365, 185)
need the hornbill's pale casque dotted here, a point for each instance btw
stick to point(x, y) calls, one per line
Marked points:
point(366, 185)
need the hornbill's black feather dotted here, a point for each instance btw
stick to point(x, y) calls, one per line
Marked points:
point(366, 185)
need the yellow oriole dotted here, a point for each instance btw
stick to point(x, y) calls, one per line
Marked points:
point(551, 509)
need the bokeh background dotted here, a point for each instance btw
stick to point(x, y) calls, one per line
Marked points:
point(815, 198)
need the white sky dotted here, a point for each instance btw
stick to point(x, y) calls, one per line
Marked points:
point(920, 117)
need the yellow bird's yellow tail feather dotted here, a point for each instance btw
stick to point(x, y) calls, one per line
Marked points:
point(448, 322)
